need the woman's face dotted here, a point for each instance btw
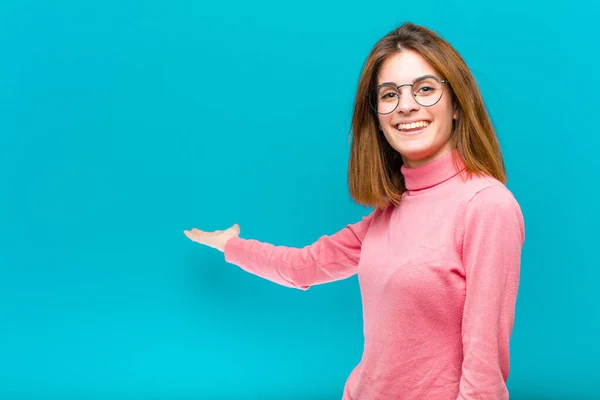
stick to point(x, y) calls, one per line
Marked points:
point(419, 133)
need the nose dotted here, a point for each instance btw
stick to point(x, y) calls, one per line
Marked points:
point(407, 103)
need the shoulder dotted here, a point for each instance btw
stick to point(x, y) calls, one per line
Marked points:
point(485, 192)
point(487, 201)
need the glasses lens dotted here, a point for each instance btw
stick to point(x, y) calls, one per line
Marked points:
point(384, 99)
point(428, 91)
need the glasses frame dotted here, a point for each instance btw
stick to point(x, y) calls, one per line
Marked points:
point(414, 96)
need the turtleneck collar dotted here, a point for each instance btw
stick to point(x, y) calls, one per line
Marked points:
point(432, 173)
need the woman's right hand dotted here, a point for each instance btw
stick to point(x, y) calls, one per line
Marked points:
point(216, 239)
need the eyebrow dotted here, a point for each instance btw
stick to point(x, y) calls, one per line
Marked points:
point(414, 80)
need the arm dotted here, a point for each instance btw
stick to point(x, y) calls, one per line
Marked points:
point(493, 238)
point(330, 258)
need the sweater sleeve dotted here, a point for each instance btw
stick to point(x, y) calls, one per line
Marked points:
point(330, 258)
point(492, 241)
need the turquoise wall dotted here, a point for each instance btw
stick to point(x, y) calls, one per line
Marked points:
point(122, 123)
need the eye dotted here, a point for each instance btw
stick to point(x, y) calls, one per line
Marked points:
point(387, 94)
point(426, 91)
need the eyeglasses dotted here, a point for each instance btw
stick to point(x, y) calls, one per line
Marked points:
point(426, 90)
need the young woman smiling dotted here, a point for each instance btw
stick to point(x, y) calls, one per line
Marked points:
point(438, 258)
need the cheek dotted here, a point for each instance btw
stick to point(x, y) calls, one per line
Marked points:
point(383, 121)
point(443, 116)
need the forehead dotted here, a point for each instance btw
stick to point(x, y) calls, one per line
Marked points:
point(404, 67)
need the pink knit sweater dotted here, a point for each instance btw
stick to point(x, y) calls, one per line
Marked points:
point(438, 276)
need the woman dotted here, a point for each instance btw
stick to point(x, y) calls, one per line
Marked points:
point(438, 258)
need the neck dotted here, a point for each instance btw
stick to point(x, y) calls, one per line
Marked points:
point(432, 172)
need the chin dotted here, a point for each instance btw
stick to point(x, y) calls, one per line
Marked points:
point(414, 156)
point(419, 148)
point(416, 153)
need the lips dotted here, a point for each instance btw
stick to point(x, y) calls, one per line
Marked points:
point(412, 125)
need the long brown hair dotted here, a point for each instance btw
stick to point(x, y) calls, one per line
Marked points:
point(374, 176)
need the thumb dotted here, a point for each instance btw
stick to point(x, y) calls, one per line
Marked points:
point(236, 229)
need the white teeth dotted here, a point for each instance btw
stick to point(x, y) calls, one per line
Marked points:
point(413, 125)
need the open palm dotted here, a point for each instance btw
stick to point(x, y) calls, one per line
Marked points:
point(215, 239)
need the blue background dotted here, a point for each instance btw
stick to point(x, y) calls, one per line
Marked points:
point(122, 123)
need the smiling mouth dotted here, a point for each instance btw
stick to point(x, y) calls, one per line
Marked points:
point(412, 127)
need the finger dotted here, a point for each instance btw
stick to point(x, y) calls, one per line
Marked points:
point(194, 234)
